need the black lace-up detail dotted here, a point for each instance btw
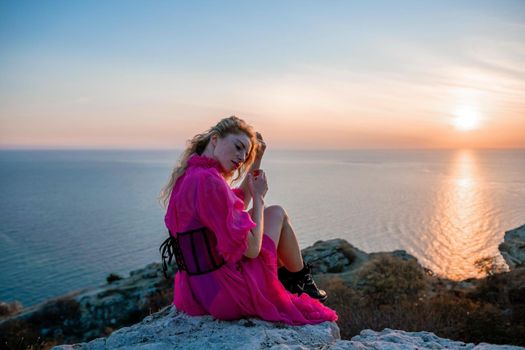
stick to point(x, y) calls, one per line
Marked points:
point(195, 252)
point(301, 282)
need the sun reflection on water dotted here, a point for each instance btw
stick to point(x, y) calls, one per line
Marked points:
point(460, 220)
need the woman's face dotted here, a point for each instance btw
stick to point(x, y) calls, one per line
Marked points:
point(231, 151)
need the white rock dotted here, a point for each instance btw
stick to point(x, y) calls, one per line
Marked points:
point(171, 329)
point(389, 339)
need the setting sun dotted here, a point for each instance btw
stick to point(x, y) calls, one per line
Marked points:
point(466, 118)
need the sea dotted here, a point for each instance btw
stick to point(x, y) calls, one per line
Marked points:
point(69, 218)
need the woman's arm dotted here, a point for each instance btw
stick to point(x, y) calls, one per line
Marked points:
point(257, 186)
point(255, 234)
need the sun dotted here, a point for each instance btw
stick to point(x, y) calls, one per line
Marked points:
point(466, 118)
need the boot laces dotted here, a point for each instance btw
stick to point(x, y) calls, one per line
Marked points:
point(308, 279)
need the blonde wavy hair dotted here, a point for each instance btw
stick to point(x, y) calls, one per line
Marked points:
point(226, 126)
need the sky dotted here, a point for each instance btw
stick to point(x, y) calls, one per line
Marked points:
point(306, 74)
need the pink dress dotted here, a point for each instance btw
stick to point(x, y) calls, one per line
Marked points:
point(243, 287)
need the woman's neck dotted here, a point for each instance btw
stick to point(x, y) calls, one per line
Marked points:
point(208, 152)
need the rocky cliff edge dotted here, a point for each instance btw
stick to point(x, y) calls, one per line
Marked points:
point(171, 329)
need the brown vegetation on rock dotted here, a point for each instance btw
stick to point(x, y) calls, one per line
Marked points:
point(368, 291)
point(89, 315)
point(392, 293)
point(9, 309)
point(54, 322)
point(389, 279)
point(112, 277)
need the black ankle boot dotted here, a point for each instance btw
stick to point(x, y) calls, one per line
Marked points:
point(287, 279)
point(309, 286)
point(301, 282)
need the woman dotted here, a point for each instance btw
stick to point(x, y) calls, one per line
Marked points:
point(227, 256)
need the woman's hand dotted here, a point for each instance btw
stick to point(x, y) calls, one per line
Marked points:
point(260, 148)
point(257, 184)
point(248, 188)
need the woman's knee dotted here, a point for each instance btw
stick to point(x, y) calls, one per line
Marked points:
point(276, 211)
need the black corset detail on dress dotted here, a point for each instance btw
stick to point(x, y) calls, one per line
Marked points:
point(195, 252)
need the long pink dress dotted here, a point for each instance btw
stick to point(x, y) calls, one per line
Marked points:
point(243, 287)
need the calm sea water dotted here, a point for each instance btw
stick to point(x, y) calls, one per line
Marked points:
point(69, 218)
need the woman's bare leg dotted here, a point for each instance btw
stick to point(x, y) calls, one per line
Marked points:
point(297, 278)
point(277, 226)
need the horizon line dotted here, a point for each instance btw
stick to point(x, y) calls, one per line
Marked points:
point(273, 149)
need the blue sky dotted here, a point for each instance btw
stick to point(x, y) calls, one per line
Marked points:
point(308, 74)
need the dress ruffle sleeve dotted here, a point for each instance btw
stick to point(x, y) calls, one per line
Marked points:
point(221, 210)
point(238, 192)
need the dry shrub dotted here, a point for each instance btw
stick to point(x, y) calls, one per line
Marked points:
point(345, 301)
point(506, 289)
point(156, 301)
point(448, 314)
point(112, 277)
point(356, 312)
point(464, 319)
point(61, 315)
point(17, 334)
point(64, 311)
point(10, 308)
point(490, 265)
point(388, 279)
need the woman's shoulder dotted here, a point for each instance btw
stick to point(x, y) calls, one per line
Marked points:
point(204, 172)
point(204, 176)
